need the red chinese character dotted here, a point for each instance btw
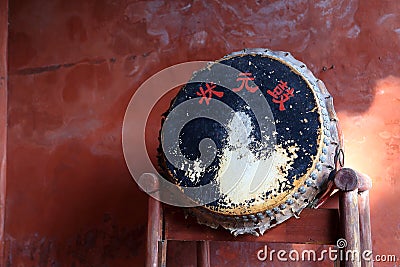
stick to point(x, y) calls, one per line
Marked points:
point(245, 78)
point(208, 93)
point(281, 94)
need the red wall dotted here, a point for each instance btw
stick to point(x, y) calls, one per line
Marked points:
point(3, 117)
point(74, 65)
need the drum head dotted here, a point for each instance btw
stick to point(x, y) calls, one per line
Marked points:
point(261, 128)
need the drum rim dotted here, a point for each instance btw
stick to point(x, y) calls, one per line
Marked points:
point(306, 187)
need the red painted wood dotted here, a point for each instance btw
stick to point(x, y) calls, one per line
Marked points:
point(203, 254)
point(3, 119)
point(314, 226)
point(154, 233)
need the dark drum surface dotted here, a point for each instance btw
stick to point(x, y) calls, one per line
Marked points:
point(288, 145)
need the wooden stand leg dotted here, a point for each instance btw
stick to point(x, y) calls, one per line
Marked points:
point(154, 234)
point(365, 229)
point(203, 254)
point(364, 185)
point(350, 225)
point(346, 182)
point(162, 246)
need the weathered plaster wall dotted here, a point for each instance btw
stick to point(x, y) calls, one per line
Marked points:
point(73, 66)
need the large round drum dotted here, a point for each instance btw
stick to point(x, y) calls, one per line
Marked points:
point(262, 129)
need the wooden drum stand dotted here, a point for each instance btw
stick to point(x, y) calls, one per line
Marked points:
point(319, 226)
